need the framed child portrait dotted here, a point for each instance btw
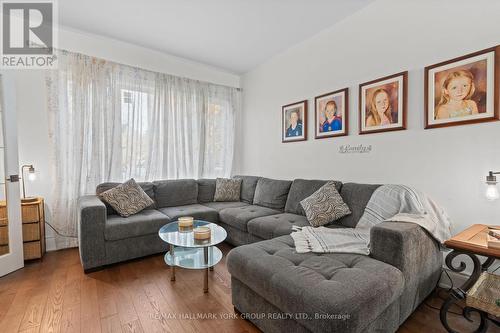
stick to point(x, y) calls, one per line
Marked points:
point(462, 90)
point(331, 114)
point(382, 104)
point(294, 122)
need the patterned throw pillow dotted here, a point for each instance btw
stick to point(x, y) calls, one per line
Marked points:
point(227, 189)
point(325, 206)
point(127, 198)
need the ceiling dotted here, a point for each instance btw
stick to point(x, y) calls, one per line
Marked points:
point(234, 35)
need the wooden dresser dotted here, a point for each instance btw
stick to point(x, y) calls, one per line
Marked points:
point(33, 217)
point(4, 230)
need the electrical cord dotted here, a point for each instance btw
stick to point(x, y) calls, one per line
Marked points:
point(448, 290)
point(436, 291)
point(439, 309)
point(57, 232)
point(449, 278)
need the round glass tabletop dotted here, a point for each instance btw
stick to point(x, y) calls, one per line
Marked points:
point(170, 233)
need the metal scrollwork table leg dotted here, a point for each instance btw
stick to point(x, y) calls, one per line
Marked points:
point(459, 293)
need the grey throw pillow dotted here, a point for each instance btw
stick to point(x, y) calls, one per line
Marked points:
point(127, 198)
point(227, 189)
point(325, 206)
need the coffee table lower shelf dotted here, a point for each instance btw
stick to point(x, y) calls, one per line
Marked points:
point(193, 258)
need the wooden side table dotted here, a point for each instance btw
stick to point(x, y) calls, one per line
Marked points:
point(33, 219)
point(4, 230)
point(470, 242)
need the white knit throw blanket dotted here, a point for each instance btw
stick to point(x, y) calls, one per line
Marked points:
point(388, 203)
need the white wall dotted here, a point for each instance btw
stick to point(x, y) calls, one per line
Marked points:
point(384, 38)
point(31, 98)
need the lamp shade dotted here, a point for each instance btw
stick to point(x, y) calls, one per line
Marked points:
point(492, 189)
point(492, 192)
point(32, 175)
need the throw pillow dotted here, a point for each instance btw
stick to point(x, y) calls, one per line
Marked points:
point(227, 189)
point(325, 206)
point(127, 198)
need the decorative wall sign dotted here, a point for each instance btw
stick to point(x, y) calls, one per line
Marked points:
point(462, 90)
point(359, 149)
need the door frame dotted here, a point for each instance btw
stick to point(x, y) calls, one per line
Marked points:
point(13, 260)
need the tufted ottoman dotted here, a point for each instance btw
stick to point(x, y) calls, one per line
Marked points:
point(281, 290)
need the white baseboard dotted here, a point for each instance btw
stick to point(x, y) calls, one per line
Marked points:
point(457, 278)
point(50, 244)
point(59, 243)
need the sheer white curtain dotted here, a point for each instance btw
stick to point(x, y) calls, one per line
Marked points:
point(112, 122)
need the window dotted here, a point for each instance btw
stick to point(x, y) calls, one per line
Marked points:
point(135, 126)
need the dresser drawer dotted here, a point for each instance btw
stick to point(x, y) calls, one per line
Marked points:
point(4, 235)
point(4, 249)
point(3, 214)
point(30, 213)
point(32, 250)
point(31, 232)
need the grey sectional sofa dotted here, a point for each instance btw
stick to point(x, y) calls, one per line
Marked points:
point(276, 288)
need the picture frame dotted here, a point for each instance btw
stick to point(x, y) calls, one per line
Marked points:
point(446, 102)
point(294, 122)
point(388, 93)
point(331, 114)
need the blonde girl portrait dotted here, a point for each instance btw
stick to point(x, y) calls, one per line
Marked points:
point(380, 109)
point(456, 93)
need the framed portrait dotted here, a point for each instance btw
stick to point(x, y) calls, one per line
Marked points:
point(294, 122)
point(331, 114)
point(462, 90)
point(382, 104)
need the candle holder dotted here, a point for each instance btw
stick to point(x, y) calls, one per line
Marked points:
point(185, 224)
point(202, 234)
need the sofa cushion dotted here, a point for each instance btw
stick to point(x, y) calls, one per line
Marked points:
point(248, 185)
point(218, 206)
point(238, 217)
point(324, 206)
point(267, 227)
point(356, 196)
point(301, 189)
point(170, 193)
point(206, 190)
point(271, 193)
point(227, 189)
point(197, 211)
point(127, 198)
point(311, 283)
point(146, 187)
point(146, 222)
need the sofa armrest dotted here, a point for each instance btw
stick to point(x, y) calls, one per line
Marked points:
point(91, 224)
point(408, 247)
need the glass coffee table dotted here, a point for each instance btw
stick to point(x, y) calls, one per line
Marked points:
point(186, 252)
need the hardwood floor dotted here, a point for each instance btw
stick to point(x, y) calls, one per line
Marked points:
point(137, 296)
